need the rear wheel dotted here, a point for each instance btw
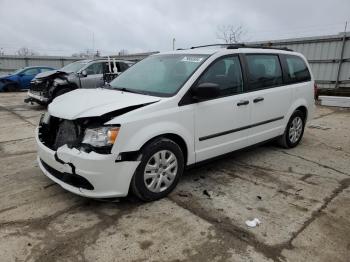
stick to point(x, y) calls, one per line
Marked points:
point(162, 164)
point(294, 131)
point(12, 88)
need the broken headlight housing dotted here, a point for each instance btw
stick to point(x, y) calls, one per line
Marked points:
point(101, 136)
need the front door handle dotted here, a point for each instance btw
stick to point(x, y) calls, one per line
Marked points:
point(243, 103)
point(258, 99)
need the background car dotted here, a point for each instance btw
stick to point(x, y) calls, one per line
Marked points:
point(20, 79)
point(81, 74)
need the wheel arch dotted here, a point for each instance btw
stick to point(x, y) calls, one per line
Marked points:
point(174, 137)
point(70, 86)
point(10, 82)
point(300, 104)
point(304, 110)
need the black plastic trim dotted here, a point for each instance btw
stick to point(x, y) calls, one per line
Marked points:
point(240, 129)
point(70, 179)
point(223, 156)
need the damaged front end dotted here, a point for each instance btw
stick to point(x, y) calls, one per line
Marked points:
point(43, 86)
point(83, 134)
point(83, 165)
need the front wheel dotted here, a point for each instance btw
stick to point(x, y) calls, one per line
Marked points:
point(294, 131)
point(61, 92)
point(162, 164)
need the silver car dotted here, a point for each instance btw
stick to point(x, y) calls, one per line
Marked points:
point(81, 74)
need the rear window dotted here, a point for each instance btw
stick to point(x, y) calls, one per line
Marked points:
point(297, 70)
point(264, 71)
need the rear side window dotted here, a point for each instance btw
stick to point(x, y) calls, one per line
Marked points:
point(297, 70)
point(264, 71)
point(123, 66)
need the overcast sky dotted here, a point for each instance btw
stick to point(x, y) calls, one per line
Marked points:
point(63, 27)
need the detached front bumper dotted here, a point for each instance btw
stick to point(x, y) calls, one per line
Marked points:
point(36, 97)
point(86, 174)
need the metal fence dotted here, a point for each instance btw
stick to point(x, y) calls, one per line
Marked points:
point(9, 63)
point(329, 57)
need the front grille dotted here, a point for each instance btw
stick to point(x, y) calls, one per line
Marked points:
point(70, 179)
point(58, 132)
point(41, 87)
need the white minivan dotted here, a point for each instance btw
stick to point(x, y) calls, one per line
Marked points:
point(172, 110)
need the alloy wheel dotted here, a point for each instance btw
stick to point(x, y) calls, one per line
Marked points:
point(160, 171)
point(295, 129)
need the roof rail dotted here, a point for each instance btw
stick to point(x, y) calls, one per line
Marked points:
point(200, 46)
point(236, 46)
point(241, 45)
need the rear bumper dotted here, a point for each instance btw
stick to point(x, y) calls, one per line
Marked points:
point(75, 171)
point(36, 97)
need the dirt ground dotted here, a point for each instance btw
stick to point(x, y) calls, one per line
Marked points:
point(301, 196)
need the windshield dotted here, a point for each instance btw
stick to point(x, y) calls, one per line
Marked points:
point(159, 75)
point(74, 67)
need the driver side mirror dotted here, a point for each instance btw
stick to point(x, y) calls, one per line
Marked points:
point(84, 73)
point(21, 75)
point(206, 91)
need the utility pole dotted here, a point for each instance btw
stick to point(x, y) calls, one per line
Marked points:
point(93, 44)
point(341, 56)
point(174, 43)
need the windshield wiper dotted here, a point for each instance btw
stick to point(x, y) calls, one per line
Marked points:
point(124, 89)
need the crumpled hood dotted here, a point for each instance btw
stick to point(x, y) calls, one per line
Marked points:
point(49, 73)
point(95, 102)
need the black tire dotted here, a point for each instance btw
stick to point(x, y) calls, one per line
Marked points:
point(138, 183)
point(285, 140)
point(12, 87)
point(60, 92)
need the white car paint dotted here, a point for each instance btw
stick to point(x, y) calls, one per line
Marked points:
point(163, 115)
point(94, 102)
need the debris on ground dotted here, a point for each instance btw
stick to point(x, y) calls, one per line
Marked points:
point(184, 194)
point(297, 192)
point(207, 193)
point(259, 197)
point(253, 223)
point(319, 127)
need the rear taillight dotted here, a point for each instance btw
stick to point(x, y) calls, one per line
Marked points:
point(316, 91)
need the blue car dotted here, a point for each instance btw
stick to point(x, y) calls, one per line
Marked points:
point(20, 79)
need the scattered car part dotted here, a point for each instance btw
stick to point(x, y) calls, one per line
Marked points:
point(253, 223)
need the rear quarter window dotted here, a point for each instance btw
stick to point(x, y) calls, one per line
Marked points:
point(297, 70)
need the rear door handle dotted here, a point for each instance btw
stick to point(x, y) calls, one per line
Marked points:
point(258, 99)
point(243, 103)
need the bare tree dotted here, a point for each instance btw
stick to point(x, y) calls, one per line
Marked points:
point(230, 34)
point(25, 51)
